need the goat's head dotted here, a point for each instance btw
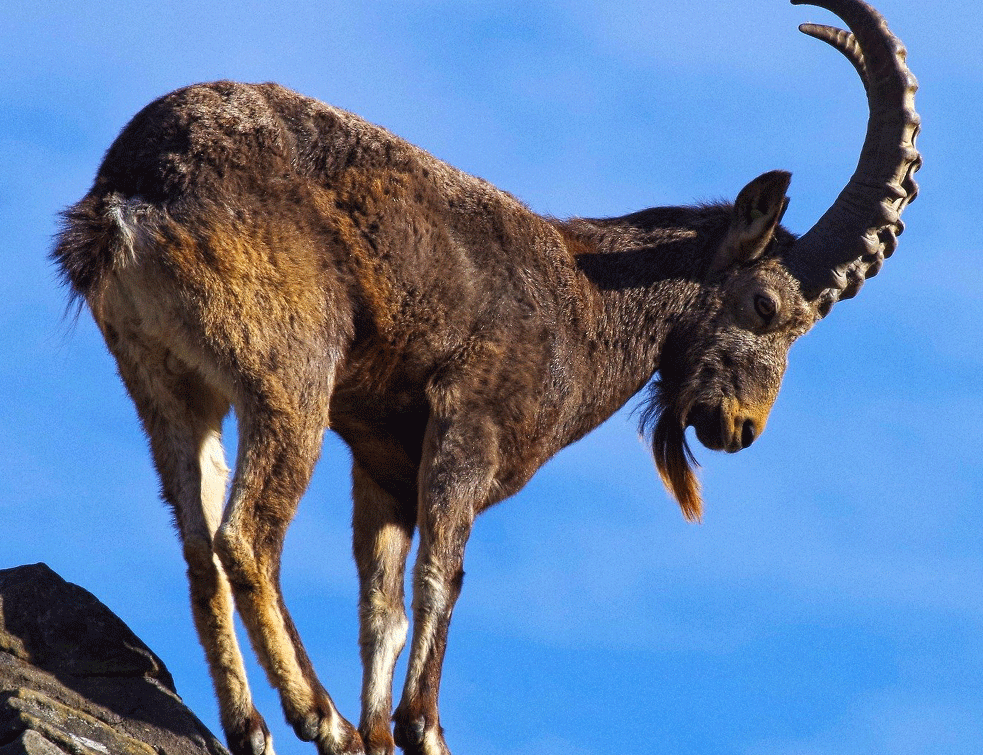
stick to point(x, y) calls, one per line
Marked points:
point(764, 287)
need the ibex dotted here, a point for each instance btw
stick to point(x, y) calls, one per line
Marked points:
point(245, 246)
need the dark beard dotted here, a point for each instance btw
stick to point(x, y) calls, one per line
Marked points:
point(662, 420)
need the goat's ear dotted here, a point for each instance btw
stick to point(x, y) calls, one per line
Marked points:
point(758, 209)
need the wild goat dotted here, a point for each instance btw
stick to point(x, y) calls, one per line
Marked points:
point(245, 246)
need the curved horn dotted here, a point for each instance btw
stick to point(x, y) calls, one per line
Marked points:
point(851, 240)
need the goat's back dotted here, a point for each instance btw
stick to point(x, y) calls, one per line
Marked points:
point(247, 221)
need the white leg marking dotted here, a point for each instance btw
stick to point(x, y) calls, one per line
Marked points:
point(387, 629)
point(430, 602)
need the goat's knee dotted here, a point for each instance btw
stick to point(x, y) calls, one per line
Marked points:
point(383, 622)
point(238, 557)
point(199, 556)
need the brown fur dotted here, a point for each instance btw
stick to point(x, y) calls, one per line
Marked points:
point(453, 338)
point(246, 247)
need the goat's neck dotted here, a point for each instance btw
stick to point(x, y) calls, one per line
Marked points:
point(640, 279)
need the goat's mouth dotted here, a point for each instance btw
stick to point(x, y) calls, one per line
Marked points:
point(708, 423)
point(721, 430)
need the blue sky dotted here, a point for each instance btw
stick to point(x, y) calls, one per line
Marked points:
point(830, 603)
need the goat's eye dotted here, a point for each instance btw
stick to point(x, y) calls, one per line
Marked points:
point(765, 306)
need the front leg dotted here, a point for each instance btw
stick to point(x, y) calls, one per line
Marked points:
point(455, 478)
point(383, 530)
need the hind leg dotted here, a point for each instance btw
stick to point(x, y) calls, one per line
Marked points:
point(281, 425)
point(182, 416)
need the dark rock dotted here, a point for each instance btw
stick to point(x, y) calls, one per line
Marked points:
point(75, 680)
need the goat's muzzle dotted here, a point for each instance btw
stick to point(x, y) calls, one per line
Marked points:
point(725, 427)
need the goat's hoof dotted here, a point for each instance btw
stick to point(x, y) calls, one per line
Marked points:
point(253, 739)
point(409, 730)
point(415, 737)
point(378, 740)
point(308, 727)
point(261, 742)
point(346, 742)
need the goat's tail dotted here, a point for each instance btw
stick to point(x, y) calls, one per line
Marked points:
point(98, 236)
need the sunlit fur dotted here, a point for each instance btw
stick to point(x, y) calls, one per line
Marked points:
point(246, 247)
point(454, 339)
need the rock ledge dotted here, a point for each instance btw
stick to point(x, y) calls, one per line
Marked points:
point(74, 680)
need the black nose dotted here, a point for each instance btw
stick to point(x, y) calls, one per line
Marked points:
point(748, 433)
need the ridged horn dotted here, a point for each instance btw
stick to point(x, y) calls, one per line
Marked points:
point(851, 240)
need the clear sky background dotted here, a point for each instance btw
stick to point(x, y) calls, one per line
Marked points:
point(832, 601)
